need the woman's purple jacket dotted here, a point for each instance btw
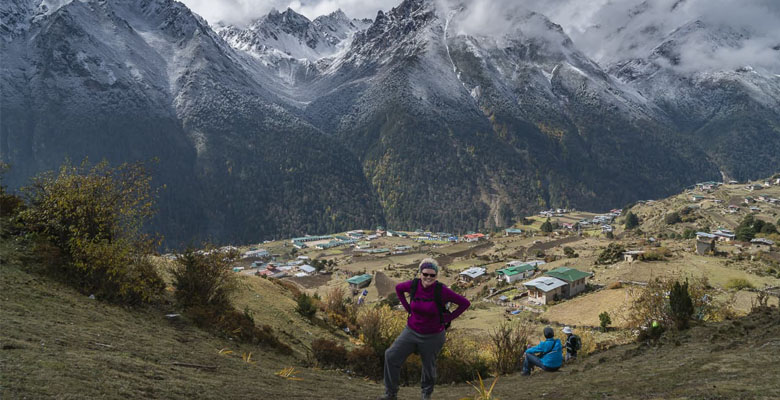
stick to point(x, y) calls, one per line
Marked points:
point(424, 315)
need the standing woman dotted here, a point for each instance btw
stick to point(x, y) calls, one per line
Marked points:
point(425, 327)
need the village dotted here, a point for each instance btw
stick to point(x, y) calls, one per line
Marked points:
point(549, 265)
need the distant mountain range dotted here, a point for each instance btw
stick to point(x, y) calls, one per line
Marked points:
point(289, 126)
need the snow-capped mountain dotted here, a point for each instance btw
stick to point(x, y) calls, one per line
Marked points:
point(731, 108)
point(133, 80)
point(292, 45)
point(421, 117)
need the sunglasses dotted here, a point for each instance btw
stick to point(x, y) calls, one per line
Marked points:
point(428, 275)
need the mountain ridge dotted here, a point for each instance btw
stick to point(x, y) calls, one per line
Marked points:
point(416, 120)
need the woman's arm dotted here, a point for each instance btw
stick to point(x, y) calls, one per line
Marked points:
point(400, 289)
point(449, 296)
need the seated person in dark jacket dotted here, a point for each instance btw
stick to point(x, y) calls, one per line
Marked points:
point(547, 355)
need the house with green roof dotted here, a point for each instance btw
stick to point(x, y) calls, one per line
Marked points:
point(574, 278)
point(514, 273)
point(360, 281)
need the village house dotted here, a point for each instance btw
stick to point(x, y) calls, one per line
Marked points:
point(544, 289)
point(512, 231)
point(697, 198)
point(473, 237)
point(307, 269)
point(473, 274)
point(360, 281)
point(632, 255)
point(516, 272)
point(256, 253)
point(733, 208)
point(724, 235)
point(761, 244)
point(574, 278)
point(302, 242)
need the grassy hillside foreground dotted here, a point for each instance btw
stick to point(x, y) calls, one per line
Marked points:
point(58, 343)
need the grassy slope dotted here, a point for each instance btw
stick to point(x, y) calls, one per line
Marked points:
point(53, 345)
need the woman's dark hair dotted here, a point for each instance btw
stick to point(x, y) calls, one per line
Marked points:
point(548, 332)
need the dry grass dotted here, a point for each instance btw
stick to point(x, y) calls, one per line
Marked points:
point(584, 310)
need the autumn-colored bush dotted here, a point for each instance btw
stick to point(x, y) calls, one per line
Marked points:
point(379, 326)
point(364, 361)
point(461, 359)
point(329, 353)
point(652, 303)
point(94, 216)
point(615, 285)
point(509, 341)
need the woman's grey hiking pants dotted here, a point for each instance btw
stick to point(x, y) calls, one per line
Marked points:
point(428, 346)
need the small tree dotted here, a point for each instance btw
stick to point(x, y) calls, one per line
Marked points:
point(605, 321)
point(508, 343)
point(204, 278)
point(612, 254)
point(681, 304)
point(306, 306)
point(94, 215)
point(547, 226)
point(672, 218)
point(569, 252)
point(632, 221)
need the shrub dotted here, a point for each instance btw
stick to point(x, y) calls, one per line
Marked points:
point(652, 303)
point(604, 321)
point(379, 326)
point(509, 341)
point(334, 302)
point(461, 360)
point(658, 254)
point(364, 361)
point(672, 218)
point(204, 278)
point(306, 306)
point(588, 342)
point(547, 226)
point(681, 304)
point(632, 221)
point(329, 353)
point(94, 216)
point(235, 325)
point(738, 284)
point(612, 254)
point(569, 252)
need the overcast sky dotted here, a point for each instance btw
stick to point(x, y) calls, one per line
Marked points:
point(604, 29)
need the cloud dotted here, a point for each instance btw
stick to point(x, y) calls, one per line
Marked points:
point(737, 33)
point(605, 30)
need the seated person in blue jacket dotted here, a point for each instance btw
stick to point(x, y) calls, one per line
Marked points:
point(547, 355)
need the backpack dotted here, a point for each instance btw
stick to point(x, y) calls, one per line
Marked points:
point(574, 343)
point(436, 298)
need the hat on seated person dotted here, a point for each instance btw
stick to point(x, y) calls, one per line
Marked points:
point(567, 330)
